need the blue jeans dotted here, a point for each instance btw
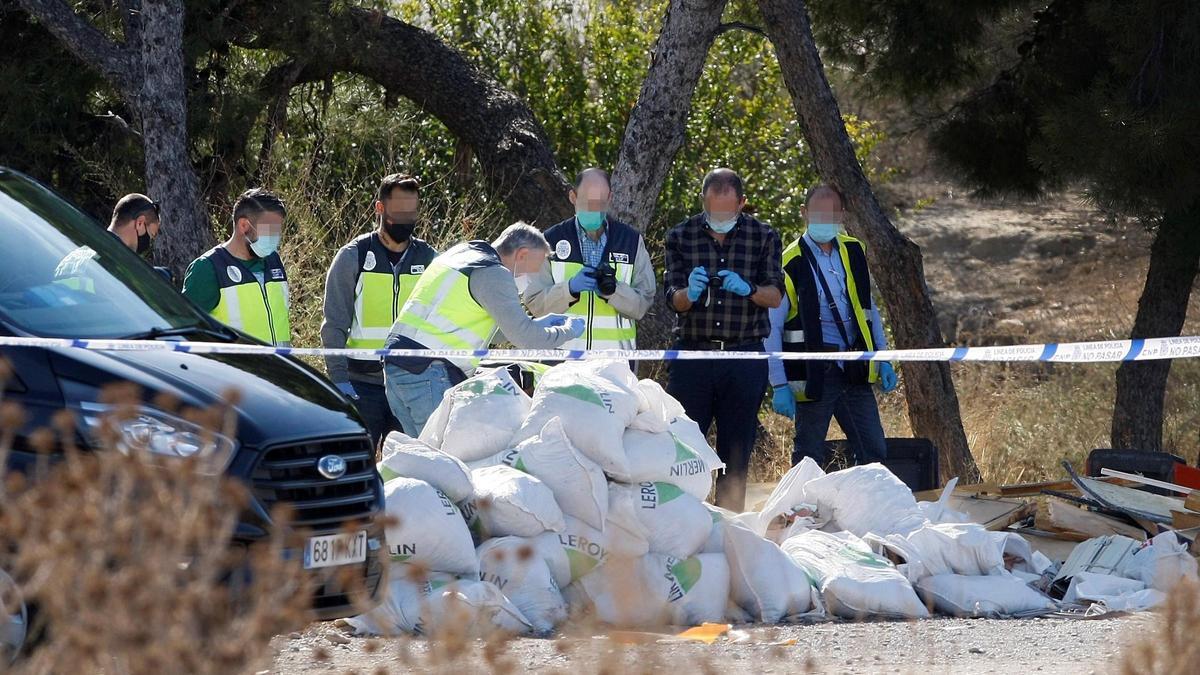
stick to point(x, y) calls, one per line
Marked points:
point(373, 405)
point(414, 396)
point(856, 411)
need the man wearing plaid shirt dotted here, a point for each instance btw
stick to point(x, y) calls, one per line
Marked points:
point(724, 271)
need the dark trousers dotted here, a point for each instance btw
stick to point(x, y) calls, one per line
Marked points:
point(728, 392)
point(372, 404)
point(857, 413)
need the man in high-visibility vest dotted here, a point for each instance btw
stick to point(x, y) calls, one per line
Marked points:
point(598, 269)
point(241, 282)
point(828, 307)
point(369, 281)
point(135, 223)
point(468, 294)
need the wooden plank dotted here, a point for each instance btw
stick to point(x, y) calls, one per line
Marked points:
point(1184, 520)
point(1192, 503)
point(1059, 516)
point(1049, 544)
point(1142, 480)
point(993, 513)
point(1034, 489)
point(1136, 503)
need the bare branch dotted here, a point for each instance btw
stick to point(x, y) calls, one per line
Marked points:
point(116, 63)
point(740, 25)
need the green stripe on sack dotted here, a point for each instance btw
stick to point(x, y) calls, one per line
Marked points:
point(666, 492)
point(683, 452)
point(387, 474)
point(580, 562)
point(687, 573)
point(580, 392)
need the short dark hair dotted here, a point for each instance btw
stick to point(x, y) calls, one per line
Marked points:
point(722, 180)
point(130, 207)
point(397, 181)
point(824, 187)
point(256, 201)
point(592, 170)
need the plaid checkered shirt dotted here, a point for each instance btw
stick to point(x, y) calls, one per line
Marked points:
point(753, 249)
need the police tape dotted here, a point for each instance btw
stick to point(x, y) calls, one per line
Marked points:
point(1149, 349)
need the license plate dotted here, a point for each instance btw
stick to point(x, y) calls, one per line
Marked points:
point(335, 549)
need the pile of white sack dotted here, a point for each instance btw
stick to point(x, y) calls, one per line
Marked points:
point(514, 514)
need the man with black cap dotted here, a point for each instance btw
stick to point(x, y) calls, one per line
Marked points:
point(369, 281)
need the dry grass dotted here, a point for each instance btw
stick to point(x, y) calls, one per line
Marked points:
point(1172, 649)
point(130, 560)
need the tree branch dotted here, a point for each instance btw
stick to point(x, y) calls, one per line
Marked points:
point(740, 25)
point(116, 63)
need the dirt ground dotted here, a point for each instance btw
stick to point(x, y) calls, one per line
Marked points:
point(933, 646)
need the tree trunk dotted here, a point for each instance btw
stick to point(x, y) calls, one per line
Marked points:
point(161, 102)
point(1141, 386)
point(932, 402)
point(518, 165)
point(147, 70)
point(656, 129)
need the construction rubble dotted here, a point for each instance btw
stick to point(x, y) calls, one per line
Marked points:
point(586, 501)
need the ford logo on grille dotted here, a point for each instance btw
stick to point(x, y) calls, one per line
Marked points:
point(331, 466)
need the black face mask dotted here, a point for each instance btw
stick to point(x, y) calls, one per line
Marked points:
point(144, 242)
point(398, 232)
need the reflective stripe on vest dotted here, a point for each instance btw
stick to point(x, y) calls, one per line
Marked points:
point(794, 340)
point(441, 314)
point(378, 296)
point(606, 328)
point(258, 309)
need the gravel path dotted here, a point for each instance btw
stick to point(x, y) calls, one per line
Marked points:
point(934, 646)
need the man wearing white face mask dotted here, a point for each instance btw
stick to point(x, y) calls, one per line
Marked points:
point(828, 307)
point(462, 299)
point(242, 282)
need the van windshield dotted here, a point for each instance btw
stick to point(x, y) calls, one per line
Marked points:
point(63, 275)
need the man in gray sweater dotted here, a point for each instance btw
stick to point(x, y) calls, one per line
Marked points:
point(468, 294)
point(369, 281)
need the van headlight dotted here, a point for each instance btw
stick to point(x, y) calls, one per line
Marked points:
point(145, 429)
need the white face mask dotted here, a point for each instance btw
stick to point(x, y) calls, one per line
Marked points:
point(522, 282)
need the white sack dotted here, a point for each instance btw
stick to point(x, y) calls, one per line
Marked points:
point(510, 502)
point(514, 566)
point(576, 551)
point(595, 408)
point(995, 596)
point(865, 499)
point(655, 590)
point(1161, 563)
point(853, 581)
point(427, 528)
point(478, 417)
point(665, 457)
point(676, 523)
point(406, 456)
point(578, 483)
point(422, 603)
point(658, 408)
point(764, 580)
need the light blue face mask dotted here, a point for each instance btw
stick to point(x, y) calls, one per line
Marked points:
point(721, 226)
point(590, 221)
point(265, 245)
point(823, 233)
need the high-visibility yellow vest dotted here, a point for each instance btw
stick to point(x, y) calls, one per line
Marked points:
point(259, 309)
point(441, 313)
point(381, 291)
point(72, 270)
point(606, 328)
point(802, 329)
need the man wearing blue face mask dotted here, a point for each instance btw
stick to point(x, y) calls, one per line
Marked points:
point(828, 307)
point(598, 269)
point(241, 282)
point(723, 273)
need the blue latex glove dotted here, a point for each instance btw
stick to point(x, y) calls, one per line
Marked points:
point(887, 377)
point(575, 326)
point(734, 283)
point(347, 389)
point(582, 282)
point(784, 401)
point(697, 283)
point(551, 320)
